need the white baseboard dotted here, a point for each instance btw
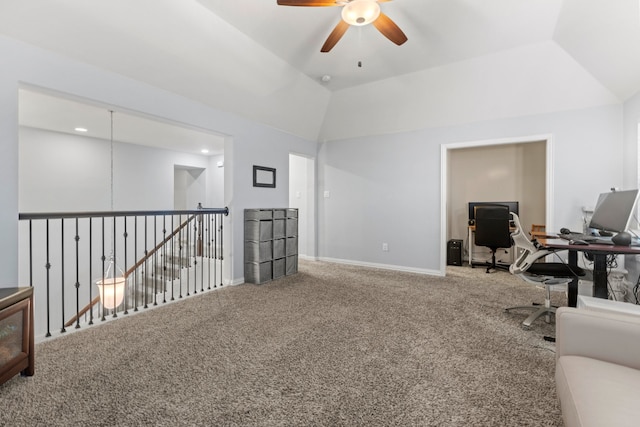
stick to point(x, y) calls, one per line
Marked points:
point(385, 266)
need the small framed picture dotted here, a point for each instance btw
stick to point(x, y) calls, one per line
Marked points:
point(264, 177)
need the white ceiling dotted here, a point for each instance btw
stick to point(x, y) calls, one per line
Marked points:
point(438, 31)
point(229, 53)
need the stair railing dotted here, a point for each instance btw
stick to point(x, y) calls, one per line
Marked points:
point(160, 253)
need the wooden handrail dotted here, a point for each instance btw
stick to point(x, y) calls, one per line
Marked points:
point(132, 269)
point(81, 312)
point(158, 247)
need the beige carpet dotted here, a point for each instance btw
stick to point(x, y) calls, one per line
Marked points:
point(332, 345)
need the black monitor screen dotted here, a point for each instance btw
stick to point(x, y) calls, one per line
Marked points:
point(513, 207)
point(614, 210)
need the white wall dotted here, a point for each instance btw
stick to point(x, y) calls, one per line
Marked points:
point(630, 131)
point(215, 183)
point(190, 187)
point(250, 143)
point(387, 188)
point(630, 125)
point(63, 173)
point(535, 79)
point(60, 172)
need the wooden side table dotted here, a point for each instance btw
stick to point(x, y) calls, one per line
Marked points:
point(16, 332)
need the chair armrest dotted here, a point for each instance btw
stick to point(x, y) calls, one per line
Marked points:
point(607, 336)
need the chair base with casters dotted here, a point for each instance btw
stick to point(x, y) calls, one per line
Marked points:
point(539, 273)
point(545, 309)
point(491, 265)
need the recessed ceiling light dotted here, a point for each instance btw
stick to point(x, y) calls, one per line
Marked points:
point(80, 129)
point(204, 151)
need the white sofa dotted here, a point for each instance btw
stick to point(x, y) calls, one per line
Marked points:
point(598, 367)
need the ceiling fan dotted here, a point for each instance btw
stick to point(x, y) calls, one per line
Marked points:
point(354, 12)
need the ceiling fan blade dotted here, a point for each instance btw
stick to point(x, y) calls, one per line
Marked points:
point(389, 29)
point(307, 3)
point(335, 36)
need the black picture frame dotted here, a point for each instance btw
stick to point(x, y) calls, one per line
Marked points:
point(264, 177)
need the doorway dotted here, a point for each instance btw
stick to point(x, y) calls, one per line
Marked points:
point(302, 196)
point(189, 187)
point(518, 175)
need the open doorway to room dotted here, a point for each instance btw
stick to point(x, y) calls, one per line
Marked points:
point(495, 170)
point(189, 187)
point(302, 196)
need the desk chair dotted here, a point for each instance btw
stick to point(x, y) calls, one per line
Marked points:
point(492, 231)
point(547, 274)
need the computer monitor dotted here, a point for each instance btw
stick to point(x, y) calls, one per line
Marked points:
point(513, 207)
point(614, 211)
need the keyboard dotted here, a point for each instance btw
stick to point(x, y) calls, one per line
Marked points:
point(589, 238)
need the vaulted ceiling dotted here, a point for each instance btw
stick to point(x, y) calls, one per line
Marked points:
point(263, 61)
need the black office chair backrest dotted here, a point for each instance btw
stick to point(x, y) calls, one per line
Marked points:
point(492, 226)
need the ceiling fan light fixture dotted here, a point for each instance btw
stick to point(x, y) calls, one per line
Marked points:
point(360, 12)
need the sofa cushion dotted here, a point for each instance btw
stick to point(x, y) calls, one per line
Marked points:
point(596, 393)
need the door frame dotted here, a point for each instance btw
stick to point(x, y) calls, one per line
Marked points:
point(310, 231)
point(444, 184)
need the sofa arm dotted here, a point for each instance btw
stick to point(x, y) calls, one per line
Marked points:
point(607, 336)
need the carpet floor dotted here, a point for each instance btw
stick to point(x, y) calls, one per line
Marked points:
point(334, 345)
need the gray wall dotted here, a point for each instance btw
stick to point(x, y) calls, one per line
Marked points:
point(387, 188)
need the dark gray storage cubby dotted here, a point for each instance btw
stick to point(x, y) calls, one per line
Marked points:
point(270, 244)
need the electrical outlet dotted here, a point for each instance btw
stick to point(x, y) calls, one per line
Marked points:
point(385, 247)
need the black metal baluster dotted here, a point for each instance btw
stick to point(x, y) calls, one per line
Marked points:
point(188, 228)
point(173, 261)
point(31, 253)
point(145, 272)
point(114, 273)
point(103, 258)
point(201, 248)
point(126, 277)
point(195, 254)
point(135, 272)
point(155, 260)
point(77, 238)
point(62, 270)
point(180, 253)
point(215, 250)
point(91, 270)
point(221, 249)
point(208, 236)
point(164, 259)
point(48, 267)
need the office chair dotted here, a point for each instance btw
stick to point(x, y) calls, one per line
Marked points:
point(492, 231)
point(547, 274)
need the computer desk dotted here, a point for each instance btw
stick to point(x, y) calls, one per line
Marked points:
point(599, 253)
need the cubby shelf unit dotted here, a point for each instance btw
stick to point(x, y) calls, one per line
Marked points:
point(270, 244)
